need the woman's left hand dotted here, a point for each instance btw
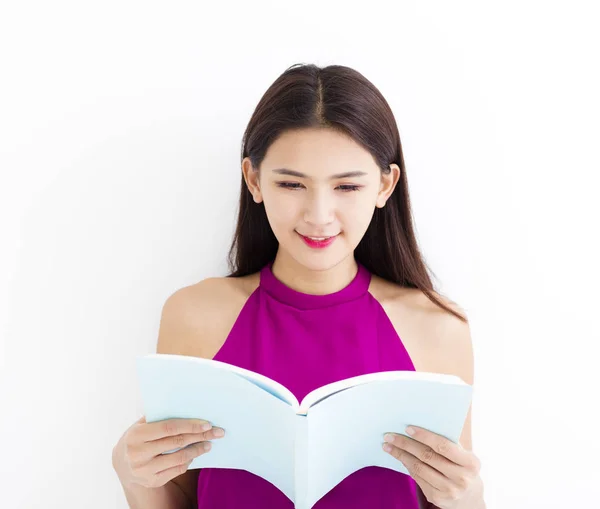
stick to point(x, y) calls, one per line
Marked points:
point(447, 473)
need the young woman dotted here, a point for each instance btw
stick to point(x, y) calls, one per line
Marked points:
point(327, 282)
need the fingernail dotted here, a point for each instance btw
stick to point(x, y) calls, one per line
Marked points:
point(206, 426)
point(219, 432)
point(207, 446)
point(388, 437)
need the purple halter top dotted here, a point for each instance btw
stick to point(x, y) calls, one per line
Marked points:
point(281, 332)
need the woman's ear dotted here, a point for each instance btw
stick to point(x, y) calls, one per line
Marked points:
point(251, 177)
point(388, 184)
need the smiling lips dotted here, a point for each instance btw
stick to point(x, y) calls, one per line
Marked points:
point(318, 242)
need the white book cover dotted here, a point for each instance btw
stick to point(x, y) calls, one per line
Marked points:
point(294, 444)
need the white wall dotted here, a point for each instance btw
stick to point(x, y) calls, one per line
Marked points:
point(120, 129)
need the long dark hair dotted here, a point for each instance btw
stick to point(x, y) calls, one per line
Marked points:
point(339, 98)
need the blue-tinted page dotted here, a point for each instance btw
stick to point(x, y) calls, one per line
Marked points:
point(359, 416)
point(259, 427)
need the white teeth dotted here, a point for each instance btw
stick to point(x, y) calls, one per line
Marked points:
point(317, 238)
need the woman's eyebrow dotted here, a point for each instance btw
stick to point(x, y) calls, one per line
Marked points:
point(294, 173)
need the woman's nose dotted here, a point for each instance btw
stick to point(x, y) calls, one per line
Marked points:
point(319, 209)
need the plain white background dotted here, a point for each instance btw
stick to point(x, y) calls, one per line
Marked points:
point(120, 130)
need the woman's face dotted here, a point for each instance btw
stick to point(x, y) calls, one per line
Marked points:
point(305, 192)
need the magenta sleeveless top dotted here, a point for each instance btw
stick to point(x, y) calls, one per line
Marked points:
point(278, 333)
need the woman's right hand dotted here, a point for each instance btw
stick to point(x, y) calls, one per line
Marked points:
point(137, 457)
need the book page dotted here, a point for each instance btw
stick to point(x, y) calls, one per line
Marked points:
point(259, 428)
point(314, 397)
point(359, 416)
point(264, 382)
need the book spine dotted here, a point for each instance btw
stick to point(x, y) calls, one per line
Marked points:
point(301, 463)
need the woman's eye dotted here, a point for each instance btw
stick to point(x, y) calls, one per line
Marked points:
point(288, 185)
point(296, 185)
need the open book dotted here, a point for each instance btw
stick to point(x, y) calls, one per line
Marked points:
point(295, 444)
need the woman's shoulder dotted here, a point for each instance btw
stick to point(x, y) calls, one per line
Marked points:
point(409, 300)
point(420, 322)
point(195, 318)
point(220, 290)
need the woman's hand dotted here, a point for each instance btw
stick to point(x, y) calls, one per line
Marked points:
point(138, 457)
point(447, 473)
